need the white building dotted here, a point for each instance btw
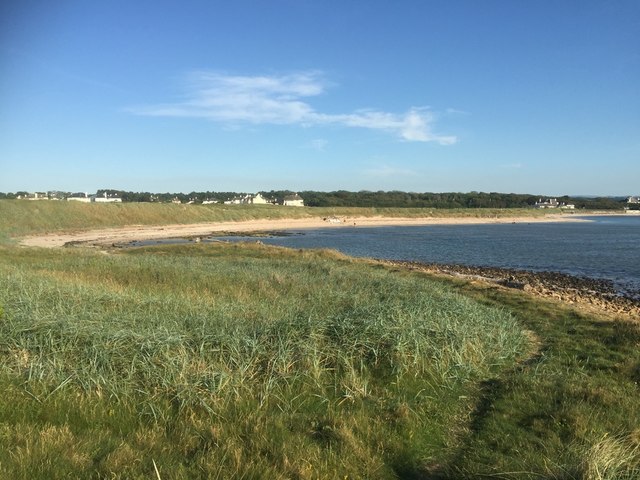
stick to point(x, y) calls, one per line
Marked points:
point(79, 197)
point(293, 201)
point(108, 199)
point(38, 196)
point(550, 203)
point(238, 200)
point(258, 199)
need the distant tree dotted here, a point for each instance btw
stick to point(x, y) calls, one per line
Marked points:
point(599, 203)
point(377, 199)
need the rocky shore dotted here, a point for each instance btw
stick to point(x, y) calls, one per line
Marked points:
point(580, 291)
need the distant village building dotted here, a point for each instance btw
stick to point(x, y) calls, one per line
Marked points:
point(37, 196)
point(293, 201)
point(32, 196)
point(633, 205)
point(249, 199)
point(52, 195)
point(258, 199)
point(79, 197)
point(55, 195)
point(240, 200)
point(553, 203)
point(550, 203)
point(106, 198)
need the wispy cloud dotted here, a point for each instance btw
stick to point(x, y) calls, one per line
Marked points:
point(319, 144)
point(283, 100)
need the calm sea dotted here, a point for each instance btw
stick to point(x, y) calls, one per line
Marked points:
point(603, 247)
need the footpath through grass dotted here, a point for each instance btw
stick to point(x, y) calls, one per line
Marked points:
point(571, 412)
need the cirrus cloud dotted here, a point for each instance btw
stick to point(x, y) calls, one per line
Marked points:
point(282, 100)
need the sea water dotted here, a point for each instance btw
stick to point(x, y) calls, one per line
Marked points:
point(606, 247)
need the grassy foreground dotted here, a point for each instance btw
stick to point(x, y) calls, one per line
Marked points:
point(235, 360)
point(247, 361)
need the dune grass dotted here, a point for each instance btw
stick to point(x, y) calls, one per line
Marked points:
point(235, 360)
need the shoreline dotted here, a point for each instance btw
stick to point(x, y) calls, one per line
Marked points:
point(583, 292)
point(106, 237)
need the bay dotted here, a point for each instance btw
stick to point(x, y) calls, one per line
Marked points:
point(604, 247)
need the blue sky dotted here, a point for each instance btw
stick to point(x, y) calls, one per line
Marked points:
point(510, 96)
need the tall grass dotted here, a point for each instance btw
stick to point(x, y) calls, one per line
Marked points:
point(613, 458)
point(234, 360)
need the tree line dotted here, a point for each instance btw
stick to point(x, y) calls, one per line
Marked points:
point(399, 199)
point(365, 198)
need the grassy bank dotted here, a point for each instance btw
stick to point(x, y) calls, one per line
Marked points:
point(21, 217)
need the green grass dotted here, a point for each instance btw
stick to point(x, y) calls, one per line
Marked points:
point(571, 412)
point(238, 359)
point(248, 361)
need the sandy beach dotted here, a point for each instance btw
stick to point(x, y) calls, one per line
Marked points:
point(123, 235)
